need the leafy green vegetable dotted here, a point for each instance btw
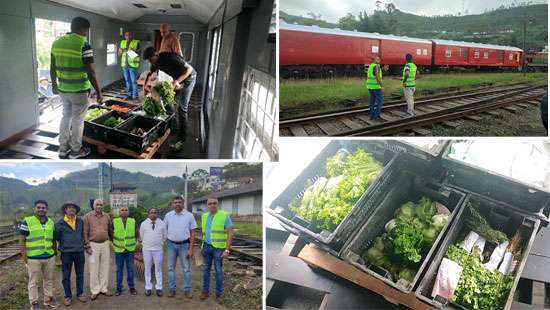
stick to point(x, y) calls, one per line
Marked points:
point(425, 209)
point(152, 108)
point(407, 274)
point(439, 221)
point(405, 241)
point(113, 121)
point(478, 287)
point(327, 201)
point(94, 113)
point(166, 92)
point(476, 222)
point(406, 212)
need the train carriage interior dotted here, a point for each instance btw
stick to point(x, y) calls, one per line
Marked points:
point(230, 44)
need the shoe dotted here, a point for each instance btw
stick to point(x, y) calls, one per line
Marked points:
point(84, 152)
point(128, 98)
point(63, 153)
point(82, 298)
point(51, 302)
point(148, 292)
point(188, 294)
point(67, 301)
point(94, 296)
point(219, 299)
point(411, 113)
point(172, 293)
point(159, 293)
point(372, 117)
point(35, 305)
point(118, 292)
point(106, 293)
point(203, 296)
point(133, 291)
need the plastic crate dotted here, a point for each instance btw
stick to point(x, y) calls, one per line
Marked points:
point(96, 130)
point(109, 103)
point(316, 169)
point(137, 143)
point(407, 180)
point(499, 214)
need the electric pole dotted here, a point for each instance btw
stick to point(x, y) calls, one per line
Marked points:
point(185, 176)
point(526, 20)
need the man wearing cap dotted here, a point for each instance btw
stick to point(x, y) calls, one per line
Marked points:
point(69, 234)
point(180, 229)
point(38, 250)
point(97, 233)
point(125, 235)
point(217, 236)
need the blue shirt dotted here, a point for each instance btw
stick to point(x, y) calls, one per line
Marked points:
point(178, 226)
point(226, 225)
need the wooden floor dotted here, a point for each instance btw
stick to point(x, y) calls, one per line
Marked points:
point(43, 142)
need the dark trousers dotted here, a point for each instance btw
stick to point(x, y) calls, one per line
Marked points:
point(121, 259)
point(376, 100)
point(67, 261)
point(212, 255)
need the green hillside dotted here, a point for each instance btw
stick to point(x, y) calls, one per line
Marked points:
point(503, 26)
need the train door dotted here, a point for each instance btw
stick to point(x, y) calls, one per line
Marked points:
point(46, 31)
point(208, 103)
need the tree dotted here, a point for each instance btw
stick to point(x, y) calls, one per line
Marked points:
point(314, 16)
point(201, 173)
point(392, 20)
point(348, 22)
point(363, 22)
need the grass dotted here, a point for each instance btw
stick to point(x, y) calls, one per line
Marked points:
point(246, 228)
point(326, 93)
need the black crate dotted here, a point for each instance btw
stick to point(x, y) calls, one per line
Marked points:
point(499, 214)
point(134, 142)
point(95, 106)
point(407, 180)
point(316, 169)
point(96, 130)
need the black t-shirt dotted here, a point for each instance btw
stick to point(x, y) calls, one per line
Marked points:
point(172, 64)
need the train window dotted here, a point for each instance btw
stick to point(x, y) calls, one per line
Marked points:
point(418, 51)
point(425, 52)
point(257, 129)
point(476, 54)
point(111, 54)
point(374, 49)
point(485, 55)
point(448, 52)
point(187, 41)
point(511, 56)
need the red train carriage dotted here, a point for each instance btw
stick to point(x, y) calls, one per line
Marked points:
point(465, 54)
point(311, 50)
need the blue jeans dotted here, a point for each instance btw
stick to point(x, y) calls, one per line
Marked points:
point(121, 259)
point(376, 100)
point(212, 254)
point(67, 261)
point(130, 76)
point(187, 91)
point(175, 250)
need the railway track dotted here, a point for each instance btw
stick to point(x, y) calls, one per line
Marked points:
point(357, 121)
point(8, 250)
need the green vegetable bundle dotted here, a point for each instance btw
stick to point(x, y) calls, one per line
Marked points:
point(476, 222)
point(409, 236)
point(113, 121)
point(94, 113)
point(329, 199)
point(152, 108)
point(166, 92)
point(478, 287)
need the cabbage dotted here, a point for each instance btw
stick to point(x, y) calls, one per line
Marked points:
point(375, 256)
point(406, 212)
point(430, 235)
point(439, 221)
point(425, 209)
point(407, 274)
point(390, 225)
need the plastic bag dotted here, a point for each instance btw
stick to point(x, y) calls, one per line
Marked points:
point(496, 256)
point(469, 241)
point(447, 279)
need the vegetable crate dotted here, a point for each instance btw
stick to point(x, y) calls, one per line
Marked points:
point(96, 130)
point(408, 180)
point(149, 130)
point(109, 103)
point(499, 214)
point(383, 151)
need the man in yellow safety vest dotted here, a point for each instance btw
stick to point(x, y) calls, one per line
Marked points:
point(38, 250)
point(125, 236)
point(129, 51)
point(375, 87)
point(217, 236)
point(409, 83)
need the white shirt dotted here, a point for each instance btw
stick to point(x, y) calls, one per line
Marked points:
point(178, 226)
point(152, 240)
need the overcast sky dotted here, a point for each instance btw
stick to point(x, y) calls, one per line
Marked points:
point(38, 173)
point(332, 10)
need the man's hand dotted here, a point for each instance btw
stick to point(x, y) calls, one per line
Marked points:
point(382, 89)
point(225, 253)
point(176, 85)
point(55, 90)
point(190, 253)
point(99, 96)
point(89, 251)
